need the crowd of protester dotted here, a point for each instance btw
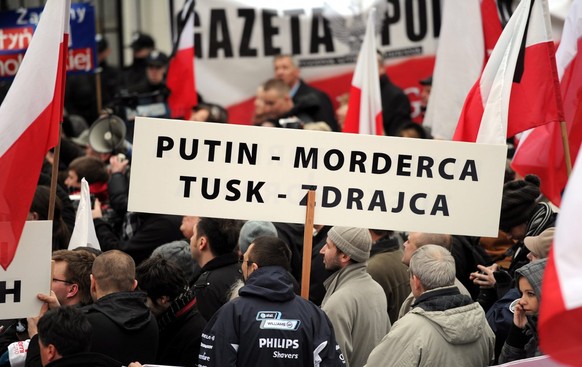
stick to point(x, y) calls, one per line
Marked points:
point(198, 291)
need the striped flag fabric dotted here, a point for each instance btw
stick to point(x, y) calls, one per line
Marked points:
point(181, 77)
point(364, 115)
point(29, 121)
point(540, 151)
point(560, 321)
point(519, 87)
point(469, 31)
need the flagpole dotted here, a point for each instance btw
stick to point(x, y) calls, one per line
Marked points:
point(54, 176)
point(566, 145)
point(98, 91)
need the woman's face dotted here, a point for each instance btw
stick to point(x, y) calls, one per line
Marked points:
point(528, 299)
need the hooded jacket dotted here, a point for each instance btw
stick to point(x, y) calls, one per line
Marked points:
point(386, 267)
point(444, 328)
point(357, 308)
point(123, 327)
point(523, 343)
point(268, 325)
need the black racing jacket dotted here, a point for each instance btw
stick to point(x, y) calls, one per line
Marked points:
point(268, 325)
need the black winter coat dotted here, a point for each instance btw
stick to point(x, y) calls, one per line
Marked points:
point(123, 327)
point(268, 325)
point(212, 287)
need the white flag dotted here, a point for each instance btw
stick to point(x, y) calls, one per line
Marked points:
point(84, 232)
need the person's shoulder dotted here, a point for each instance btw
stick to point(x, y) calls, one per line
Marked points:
point(305, 88)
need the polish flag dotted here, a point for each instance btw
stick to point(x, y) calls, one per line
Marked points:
point(181, 79)
point(364, 115)
point(541, 151)
point(560, 321)
point(469, 31)
point(29, 121)
point(519, 87)
point(84, 232)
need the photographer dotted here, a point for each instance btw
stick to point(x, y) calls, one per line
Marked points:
point(280, 110)
point(149, 97)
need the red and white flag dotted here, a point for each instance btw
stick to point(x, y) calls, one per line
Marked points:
point(519, 87)
point(29, 121)
point(364, 115)
point(181, 78)
point(560, 322)
point(540, 151)
point(469, 31)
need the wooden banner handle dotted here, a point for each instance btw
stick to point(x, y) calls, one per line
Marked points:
point(307, 244)
point(566, 145)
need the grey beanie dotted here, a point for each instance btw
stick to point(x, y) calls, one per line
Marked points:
point(179, 252)
point(354, 242)
point(252, 230)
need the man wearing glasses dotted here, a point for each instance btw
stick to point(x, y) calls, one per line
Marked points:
point(71, 285)
point(71, 277)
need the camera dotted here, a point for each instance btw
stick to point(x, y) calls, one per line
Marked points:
point(291, 123)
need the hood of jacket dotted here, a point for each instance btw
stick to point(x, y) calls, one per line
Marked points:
point(343, 276)
point(384, 244)
point(533, 272)
point(126, 309)
point(270, 282)
point(461, 322)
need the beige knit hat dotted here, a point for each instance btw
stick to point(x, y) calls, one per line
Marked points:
point(540, 245)
point(354, 242)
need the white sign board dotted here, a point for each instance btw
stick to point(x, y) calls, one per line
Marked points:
point(246, 172)
point(29, 273)
point(542, 361)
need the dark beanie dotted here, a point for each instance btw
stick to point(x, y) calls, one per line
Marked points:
point(519, 201)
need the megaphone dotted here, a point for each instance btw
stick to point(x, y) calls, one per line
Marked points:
point(107, 134)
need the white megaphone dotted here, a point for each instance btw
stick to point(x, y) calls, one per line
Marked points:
point(107, 134)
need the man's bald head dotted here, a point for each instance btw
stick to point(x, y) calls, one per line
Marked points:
point(114, 271)
point(419, 239)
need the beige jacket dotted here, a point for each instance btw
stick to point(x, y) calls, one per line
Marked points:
point(356, 306)
point(455, 337)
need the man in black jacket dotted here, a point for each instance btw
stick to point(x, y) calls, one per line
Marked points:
point(287, 70)
point(395, 103)
point(213, 245)
point(123, 326)
point(65, 339)
point(137, 234)
point(174, 305)
point(268, 325)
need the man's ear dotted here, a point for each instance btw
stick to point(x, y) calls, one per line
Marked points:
point(51, 353)
point(93, 284)
point(254, 266)
point(73, 291)
point(416, 283)
point(134, 286)
point(203, 245)
point(343, 258)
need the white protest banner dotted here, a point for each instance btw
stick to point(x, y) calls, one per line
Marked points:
point(29, 273)
point(542, 361)
point(235, 42)
point(245, 172)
